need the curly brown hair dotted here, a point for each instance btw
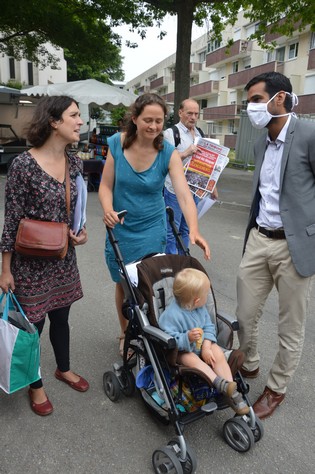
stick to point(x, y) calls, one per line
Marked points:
point(135, 110)
point(47, 110)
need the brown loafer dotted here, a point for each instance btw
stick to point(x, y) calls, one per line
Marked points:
point(81, 385)
point(249, 374)
point(42, 409)
point(267, 403)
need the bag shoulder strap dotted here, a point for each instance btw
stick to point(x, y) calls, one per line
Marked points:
point(200, 131)
point(176, 136)
point(67, 186)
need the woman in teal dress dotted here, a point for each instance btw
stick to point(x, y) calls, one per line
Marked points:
point(133, 178)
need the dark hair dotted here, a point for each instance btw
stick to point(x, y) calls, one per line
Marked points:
point(47, 110)
point(274, 82)
point(135, 110)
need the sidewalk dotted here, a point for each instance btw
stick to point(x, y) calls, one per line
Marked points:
point(87, 433)
point(235, 189)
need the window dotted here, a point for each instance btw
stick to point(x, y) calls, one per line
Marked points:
point(270, 56)
point(30, 74)
point(217, 128)
point(251, 29)
point(231, 126)
point(312, 44)
point(280, 53)
point(203, 103)
point(12, 68)
point(213, 45)
point(247, 63)
point(293, 50)
point(202, 56)
point(237, 34)
point(235, 66)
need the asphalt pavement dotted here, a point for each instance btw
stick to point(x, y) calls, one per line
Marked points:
point(87, 433)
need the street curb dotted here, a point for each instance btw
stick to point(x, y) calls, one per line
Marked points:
point(234, 205)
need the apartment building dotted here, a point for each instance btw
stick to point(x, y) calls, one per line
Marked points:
point(14, 109)
point(218, 75)
point(28, 74)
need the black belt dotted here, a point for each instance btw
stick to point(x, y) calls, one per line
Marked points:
point(271, 234)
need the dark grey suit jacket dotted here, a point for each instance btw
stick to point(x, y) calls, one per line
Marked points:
point(297, 193)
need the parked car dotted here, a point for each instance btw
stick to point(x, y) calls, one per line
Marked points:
point(10, 145)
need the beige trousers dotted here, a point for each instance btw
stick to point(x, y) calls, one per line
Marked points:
point(267, 262)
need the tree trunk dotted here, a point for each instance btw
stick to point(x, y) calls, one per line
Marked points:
point(185, 15)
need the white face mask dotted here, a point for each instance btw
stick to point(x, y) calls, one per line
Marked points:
point(259, 115)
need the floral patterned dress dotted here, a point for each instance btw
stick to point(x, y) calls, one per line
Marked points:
point(41, 285)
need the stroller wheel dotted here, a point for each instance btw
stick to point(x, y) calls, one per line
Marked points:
point(165, 461)
point(189, 466)
point(238, 435)
point(128, 383)
point(111, 386)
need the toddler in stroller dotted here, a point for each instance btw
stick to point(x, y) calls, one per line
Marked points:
point(173, 392)
point(188, 321)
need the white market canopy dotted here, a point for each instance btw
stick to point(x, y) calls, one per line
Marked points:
point(86, 92)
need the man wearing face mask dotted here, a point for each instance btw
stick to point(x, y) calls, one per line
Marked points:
point(279, 246)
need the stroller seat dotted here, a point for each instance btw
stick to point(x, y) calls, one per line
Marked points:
point(155, 284)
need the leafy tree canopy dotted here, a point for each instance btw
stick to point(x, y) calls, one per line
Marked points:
point(83, 29)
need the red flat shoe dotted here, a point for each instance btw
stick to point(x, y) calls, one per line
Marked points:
point(42, 409)
point(81, 385)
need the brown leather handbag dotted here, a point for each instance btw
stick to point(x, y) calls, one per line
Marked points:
point(44, 239)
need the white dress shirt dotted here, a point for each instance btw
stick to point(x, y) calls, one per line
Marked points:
point(269, 182)
point(186, 139)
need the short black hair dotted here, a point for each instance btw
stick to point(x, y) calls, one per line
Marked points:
point(274, 82)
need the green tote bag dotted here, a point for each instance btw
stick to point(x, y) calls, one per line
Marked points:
point(19, 346)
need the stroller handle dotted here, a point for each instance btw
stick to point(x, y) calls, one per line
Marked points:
point(180, 243)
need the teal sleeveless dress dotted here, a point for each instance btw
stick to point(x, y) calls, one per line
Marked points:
point(140, 193)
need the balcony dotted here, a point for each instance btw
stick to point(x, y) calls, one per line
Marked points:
point(269, 37)
point(306, 104)
point(205, 88)
point(222, 112)
point(241, 78)
point(225, 54)
point(169, 98)
point(194, 68)
point(159, 82)
point(142, 89)
point(311, 59)
point(230, 141)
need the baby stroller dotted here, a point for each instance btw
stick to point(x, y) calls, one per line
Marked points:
point(174, 394)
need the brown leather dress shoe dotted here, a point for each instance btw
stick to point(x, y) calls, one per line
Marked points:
point(267, 403)
point(249, 374)
point(41, 409)
point(81, 385)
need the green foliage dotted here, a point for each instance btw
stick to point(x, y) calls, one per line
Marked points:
point(106, 70)
point(117, 114)
point(12, 83)
point(97, 113)
point(83, 28)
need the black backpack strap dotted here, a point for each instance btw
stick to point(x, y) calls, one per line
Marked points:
point(176, 136)
point(200, 131)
